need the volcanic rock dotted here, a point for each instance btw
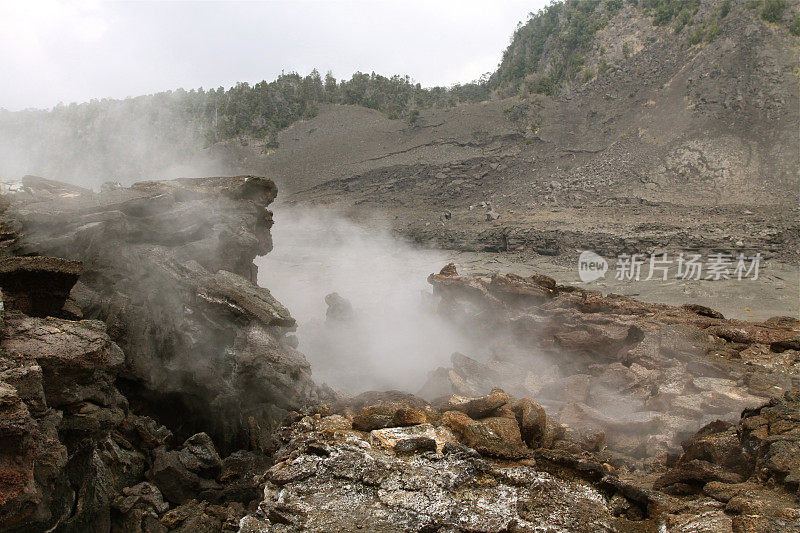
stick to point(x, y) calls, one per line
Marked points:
point(532, 421)
point(37, 286)
point(415, 444)
point(480, 407)
point(339, 308)
point(178, 474)
point(416, 492)
point(692, 475)
point(168, 266)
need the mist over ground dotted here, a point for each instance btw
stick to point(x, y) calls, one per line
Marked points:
point(394, 337)
point(144, 138)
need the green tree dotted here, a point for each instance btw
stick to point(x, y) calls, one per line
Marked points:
point(794, 27)
point(773, 10)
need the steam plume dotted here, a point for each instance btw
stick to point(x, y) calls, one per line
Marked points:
point(394, 336)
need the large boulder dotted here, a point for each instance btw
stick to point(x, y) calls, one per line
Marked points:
point(388, 414)
point(480, 407)
point(494, 436)
point(532, 421)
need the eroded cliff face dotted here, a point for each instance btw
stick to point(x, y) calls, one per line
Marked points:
point(169, 267)
point(165, 321)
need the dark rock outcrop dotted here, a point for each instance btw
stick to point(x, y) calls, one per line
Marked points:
point(167, 321)
point(339, 308)
point(168, 266)
point(37, 286)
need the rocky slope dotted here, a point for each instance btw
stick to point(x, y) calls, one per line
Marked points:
point(165, 321)
point(675, 145)
point(147, 384)
point(637, 426)
point(169, 267)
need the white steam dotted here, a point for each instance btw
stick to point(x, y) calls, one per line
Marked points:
point(123, 141)
point(395, 337)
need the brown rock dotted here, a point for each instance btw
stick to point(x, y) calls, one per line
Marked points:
point(406, 416)
point(456, 420)
point(477, 408)
point(516, 289)
point(449, 270)
point(723, 492)
point(553, 432)
point(366, 399)
point(61, 344)
point(603, 340)
point(504, 411)
point(334, 423)
point(496, 437)
point(718, 443)
point(703, 311)
point(37, 286)
point(532, 421)
point(388, 414)
point(694, 474)
point(772, 433)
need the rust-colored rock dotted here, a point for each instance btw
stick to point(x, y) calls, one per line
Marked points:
point(480, 407)
point(456, 420)
point(388, 414)
point(532, 421)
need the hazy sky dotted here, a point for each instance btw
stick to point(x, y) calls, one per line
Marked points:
point(54, 52)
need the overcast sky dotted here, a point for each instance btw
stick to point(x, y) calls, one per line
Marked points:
point(53, 52)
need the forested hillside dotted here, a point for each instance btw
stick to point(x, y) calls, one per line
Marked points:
point(549, 51)
point(554, 52)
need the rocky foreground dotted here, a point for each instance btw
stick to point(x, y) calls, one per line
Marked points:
point(148, 384)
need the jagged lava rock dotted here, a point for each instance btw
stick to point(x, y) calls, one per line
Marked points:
point(37, 286)
point(169, 267)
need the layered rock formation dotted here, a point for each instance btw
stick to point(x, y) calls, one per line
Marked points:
point(169, 267)
point(147, 384)
point(165, 321)
point(375, 468)
point(638, 377)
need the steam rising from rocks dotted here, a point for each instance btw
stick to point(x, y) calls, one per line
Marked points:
point(394, 337)
point(122, 141)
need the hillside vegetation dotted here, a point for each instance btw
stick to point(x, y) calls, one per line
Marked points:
point(554, 50)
